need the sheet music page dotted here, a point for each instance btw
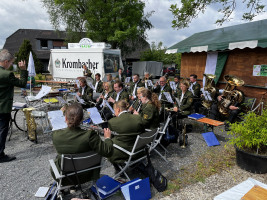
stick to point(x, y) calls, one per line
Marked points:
point(44, 91)
point(77, 83)
point(79, 99)
point(107, 104)
point(168, 97)
point(57, 120)
point(91, 85)
point(149, 83)
point(95, 115)
point(127, 80)
point(172, 84)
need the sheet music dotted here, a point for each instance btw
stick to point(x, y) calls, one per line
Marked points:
point(91, 85)
point(107, 104)
point(77, 83)
point(79, 99)
point(127, 80)
point(168, 97)
point(206, 95)
point(149, 83)
point(44, 91)
point(172, 84)
point(57, 120)
point(95, 115)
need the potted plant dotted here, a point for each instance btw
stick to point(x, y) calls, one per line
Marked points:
point(250, 140)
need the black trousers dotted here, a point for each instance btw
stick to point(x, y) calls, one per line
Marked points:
point(4, 125)
point(214, 113)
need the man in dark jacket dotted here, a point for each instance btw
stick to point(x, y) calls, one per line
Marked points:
point(7, 83)
point(85, 93)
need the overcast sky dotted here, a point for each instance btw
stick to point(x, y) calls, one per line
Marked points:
point(29, 14)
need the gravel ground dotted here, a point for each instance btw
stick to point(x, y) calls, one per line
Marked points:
point(21, 178)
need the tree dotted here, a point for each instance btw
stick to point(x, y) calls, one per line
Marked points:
point(190, 9)
point(157, 53)
point(118, 22)
point(23, 54)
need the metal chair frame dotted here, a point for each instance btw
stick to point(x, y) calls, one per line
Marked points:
point(142, 142)
point(74, 164)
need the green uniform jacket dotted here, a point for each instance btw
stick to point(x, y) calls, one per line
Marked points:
point(150, 116)
point(7, 83)
point(87, 95)
point(122, 78)
point(128, 126)
point(139, 84)
point(196, 89)
point(163, 99)
point(77, 140)
point(99, 88)
point(187, 102)
point(123, 96)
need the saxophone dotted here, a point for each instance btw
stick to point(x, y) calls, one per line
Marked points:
point(210, 88)
point(230, 95)
point(31, 125)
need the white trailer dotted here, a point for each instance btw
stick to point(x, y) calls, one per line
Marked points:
point(66, 64)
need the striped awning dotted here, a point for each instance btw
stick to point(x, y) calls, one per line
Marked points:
point(248, 35)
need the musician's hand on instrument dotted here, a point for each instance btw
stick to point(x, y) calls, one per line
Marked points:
point(233, 108)
point(175, 109)
point(131, 109)
point(136, 113)
point(111, 100)
point(79, 94)
point(22, 65)
point(220, 98)
point(107, 133)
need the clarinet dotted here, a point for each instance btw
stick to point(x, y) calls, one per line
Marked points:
point(139, 106)
point(133, 102)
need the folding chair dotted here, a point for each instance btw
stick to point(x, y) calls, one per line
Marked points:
point(74, 164)
point(141, 143)
point(156, 142)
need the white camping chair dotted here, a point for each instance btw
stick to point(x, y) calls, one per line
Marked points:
point(142, 142)
point(74, 164)
point(161, 133)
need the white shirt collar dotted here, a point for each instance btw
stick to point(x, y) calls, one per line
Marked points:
point(122, 112)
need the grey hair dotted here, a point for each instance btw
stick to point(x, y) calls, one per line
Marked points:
point(146, 72)
point(163, 78)
point(5, 55)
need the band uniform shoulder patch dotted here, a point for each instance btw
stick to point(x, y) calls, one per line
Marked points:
point(145, 116)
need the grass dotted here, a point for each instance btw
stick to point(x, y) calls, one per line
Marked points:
point(215, 160)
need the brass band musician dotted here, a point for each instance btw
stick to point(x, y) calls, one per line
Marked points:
point(229, 103)
point(150, 109)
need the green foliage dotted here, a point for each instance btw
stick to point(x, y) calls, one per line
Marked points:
point(39, 77)
point(157, 53)
point(23, 54)
point(251, 133)
point(189, 9)
point(117, 22)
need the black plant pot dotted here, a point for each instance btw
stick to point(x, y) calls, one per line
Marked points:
point(251, 162)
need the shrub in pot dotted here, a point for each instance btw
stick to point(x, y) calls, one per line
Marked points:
point(250, 140)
